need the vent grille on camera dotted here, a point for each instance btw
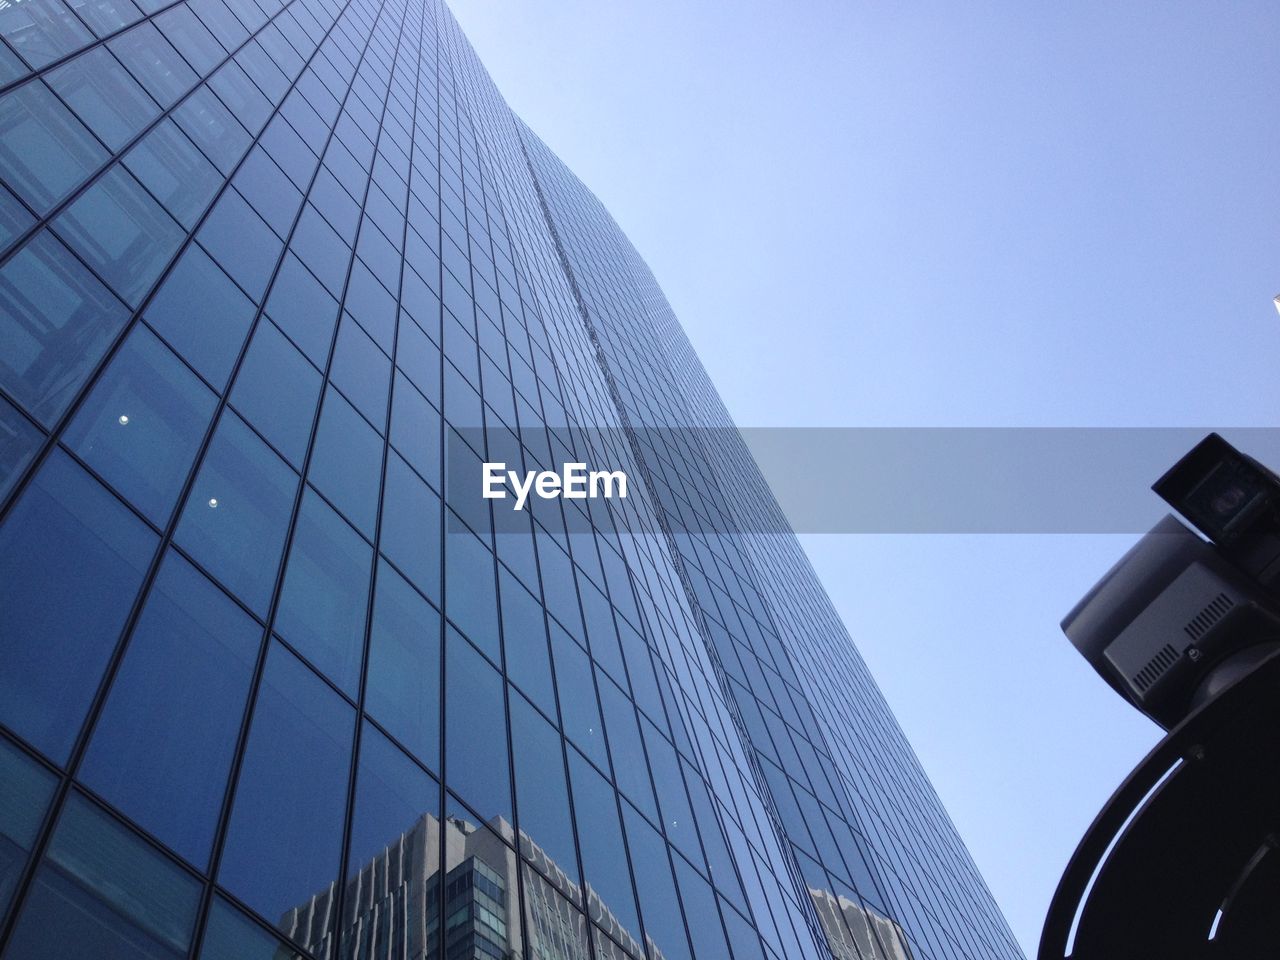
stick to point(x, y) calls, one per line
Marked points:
point(1203, 621)
point(1155, 668)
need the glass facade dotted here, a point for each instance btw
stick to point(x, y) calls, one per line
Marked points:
point(276, 276)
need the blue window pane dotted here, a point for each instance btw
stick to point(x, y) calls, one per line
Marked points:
point(579, 711)
point(19, 441)
point(14, 218)
point(162, 749)
point(362, 372)
point(677, 817)
point(303, 309)
point(326, 593)
point(471, 600)
point(168, 164)
point(230, 935)
point(122, 233)
point(154, 62)
point(241, 242)
point(268, 190)
point(415, 430)
point(202, 315)
point(11, 66)
point(44, 150)
point(402, 691)
point(419, 358)
point(524, 635)
point(242, 98)
point(745, 939)
point(72, 558)
point(347, 462)
point(42, 31)
point(374, 309)
point(604, 858)
point(321, 249)
point(104, 96)
point(237, 513)
point(700, 906)
point(142, 424)
point(25, 791)
point(411, 527)
point(288, 149)
point(390, 832)
point(656, 889)
point(213, 129)
point(277, 390)
point(101, 892)
point(475, 731)
point(542, 794)
point(626, 747)
point(285, 835)
point(107, 16)
point(190, 38)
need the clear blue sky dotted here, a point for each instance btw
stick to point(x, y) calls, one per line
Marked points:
point(979, 214)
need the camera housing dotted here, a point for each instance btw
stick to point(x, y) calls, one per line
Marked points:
point(1179, 616)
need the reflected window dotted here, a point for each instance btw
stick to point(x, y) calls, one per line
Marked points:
point(394, 853)
point(237, 513)
point(56, 322)
point(121, 232)
point(102, 892)
point(230, 935)
point(42, 32)
point(104, 96)
point(162, 749)
point(415, 430)
point(604, 858)
point(241, 242)
point(362, 372)
point(72, 559)
point(346, 464)
point(142, 423)
point(202, 315)
point(578, 706)
point(213, 128)
point(276, 390)
point(168, 164)
point(630, 769)
point(475, 730)
point(656, 889)
point(285, 835)
point(524, 635)
point(44, 150)
point(154, 62)
point(402, 691)
point(542, 794)
point(326, 593)
point(25, 791)
point(471, 601)
point(19, 441)
point(303, 309)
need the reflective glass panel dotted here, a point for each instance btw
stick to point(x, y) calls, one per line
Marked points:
point(162, 749)
point(285, 835)
point(101, 892)
point(326, 593)
point(19, 440)
point(471, 600)
point(542, 794)
point(142, 423)
point(402, 691)
point(56, 322)
point(237, 513)
point(25, 791)
point(104, 96)
point(72, 558)
point(276, 390)
point(346, 463)
point(475, 730)
point(604, 858)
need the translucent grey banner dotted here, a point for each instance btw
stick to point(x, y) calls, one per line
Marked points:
point(833, 480)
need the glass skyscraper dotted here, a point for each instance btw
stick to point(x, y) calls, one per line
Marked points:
point(276, 681)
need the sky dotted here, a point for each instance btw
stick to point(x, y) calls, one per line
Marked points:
point(935, 214)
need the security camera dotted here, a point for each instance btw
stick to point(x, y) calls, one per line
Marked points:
point(1181, 616)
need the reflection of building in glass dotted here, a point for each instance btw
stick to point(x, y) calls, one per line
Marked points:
point(856, 931)
point(392, 905)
